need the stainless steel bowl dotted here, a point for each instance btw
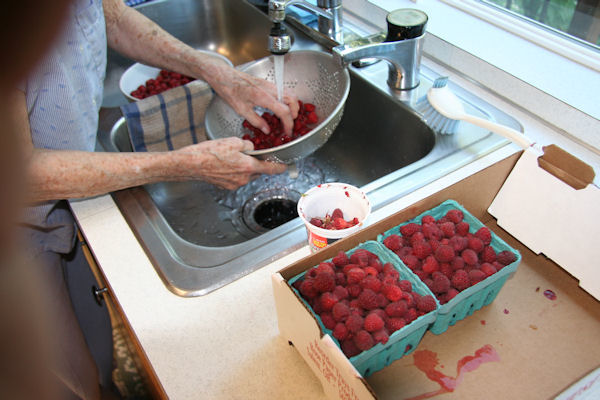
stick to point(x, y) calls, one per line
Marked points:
point(314, 77)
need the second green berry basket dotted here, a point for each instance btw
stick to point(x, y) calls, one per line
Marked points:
point(475, 297)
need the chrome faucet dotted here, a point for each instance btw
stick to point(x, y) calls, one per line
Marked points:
point(402, 48)
point(329, 13)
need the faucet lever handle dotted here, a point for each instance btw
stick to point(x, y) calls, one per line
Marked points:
point(405, 23)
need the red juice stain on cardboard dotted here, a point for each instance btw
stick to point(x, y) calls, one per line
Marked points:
point(550, 294)
point(427, 361)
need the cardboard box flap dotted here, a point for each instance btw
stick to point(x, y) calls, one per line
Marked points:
point(339, 378)
point(549, 215)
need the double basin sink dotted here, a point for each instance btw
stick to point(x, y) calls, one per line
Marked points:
point(199, 237)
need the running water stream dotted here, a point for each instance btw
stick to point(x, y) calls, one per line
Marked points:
point(279, 76)
point(279, 66)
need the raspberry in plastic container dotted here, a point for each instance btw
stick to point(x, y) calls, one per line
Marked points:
point(324, 199)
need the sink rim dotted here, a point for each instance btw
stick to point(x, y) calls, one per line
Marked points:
point(150, 226)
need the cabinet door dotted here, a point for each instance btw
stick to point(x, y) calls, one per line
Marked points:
point(133, 374)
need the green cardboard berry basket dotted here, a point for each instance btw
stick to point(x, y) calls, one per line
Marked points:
point(402, 342)
point(476, 296)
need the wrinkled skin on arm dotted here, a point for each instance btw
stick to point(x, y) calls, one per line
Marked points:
point(67, 174)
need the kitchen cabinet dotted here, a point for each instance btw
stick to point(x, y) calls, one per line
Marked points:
point(133, 374)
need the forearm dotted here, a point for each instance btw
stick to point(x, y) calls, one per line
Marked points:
point(67, 174)
point(58, 174)
point(136, 36)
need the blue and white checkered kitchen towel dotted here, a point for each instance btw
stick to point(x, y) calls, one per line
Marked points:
point(169, 120)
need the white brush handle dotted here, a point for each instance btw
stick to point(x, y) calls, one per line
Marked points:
point(509, 133)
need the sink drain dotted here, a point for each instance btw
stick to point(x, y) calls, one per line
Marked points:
point(270, 208)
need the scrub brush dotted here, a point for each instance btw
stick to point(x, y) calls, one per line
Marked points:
point(434, 119)
point(441, 101)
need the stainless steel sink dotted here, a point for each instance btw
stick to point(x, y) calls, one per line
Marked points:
point(200, 238)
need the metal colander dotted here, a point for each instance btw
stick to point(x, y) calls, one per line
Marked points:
point(314, 77)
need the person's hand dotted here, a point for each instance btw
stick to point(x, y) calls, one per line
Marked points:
point(223, 163)
point(243, 91)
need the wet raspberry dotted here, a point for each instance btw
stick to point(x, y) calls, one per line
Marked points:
point(426, 303)
point(393, 242)
point(381, 336)
point(446, 269)
point(328, 300)
point(360, 257)
point(396, 309)
point(340, 332)
point(349, 348)
point(373, 323)
point(460, 280)
point(308, 290)
point(430, 265)
point(469, 256)
point(458, 243)
point(454, 215)
point(355, 275)
point(476, 276)
point(475, 244)
point(440, 284)
point(340, 312)
point(394, 324)
point(354, 290)
point(405, 285)
point(427, 219)
point(341, 292)
point(367, 299)
point(324, 281)
point(506, 257)
point(421, 249)
point(488, 269)
point(410, 229)
point(447, 229)
point(411, 262)
point(444, 253)
point(354, 323)
point(462, 228)
point(364, 340)
point(341, 259)
point(484, 234)
point(432, 231)
point(328, 320)
point(371, 282)
point(488, 254)
point(392, 292)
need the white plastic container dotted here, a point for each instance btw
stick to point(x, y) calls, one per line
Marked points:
point(321, 200)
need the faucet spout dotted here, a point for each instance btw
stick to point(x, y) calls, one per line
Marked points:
point(404, 58)
point(329, 13)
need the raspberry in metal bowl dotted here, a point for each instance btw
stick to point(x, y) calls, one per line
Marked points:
point(312, 76)
point(139, 74)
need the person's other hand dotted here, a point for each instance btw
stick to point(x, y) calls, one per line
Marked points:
point(223, 163)
point(243, 91)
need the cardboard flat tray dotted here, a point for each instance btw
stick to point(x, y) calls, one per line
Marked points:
point(538, 336)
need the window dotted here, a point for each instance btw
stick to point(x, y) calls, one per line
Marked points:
point(579, 19)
